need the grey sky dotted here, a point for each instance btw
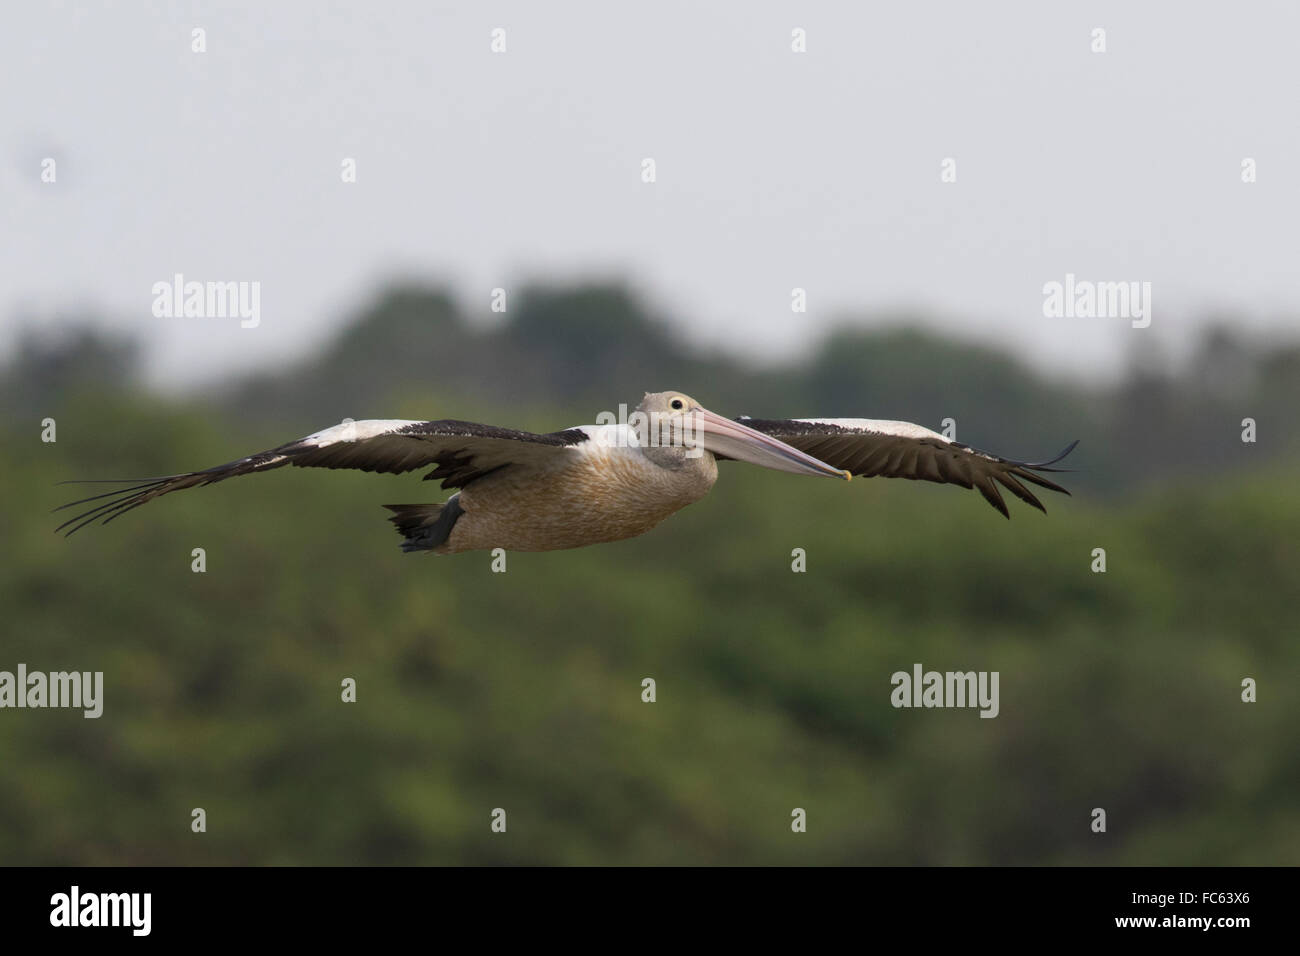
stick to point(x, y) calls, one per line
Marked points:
point(775, 169)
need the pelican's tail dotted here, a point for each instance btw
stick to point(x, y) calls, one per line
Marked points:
point(425, 527)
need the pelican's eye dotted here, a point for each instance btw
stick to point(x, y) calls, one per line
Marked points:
point(677, 404)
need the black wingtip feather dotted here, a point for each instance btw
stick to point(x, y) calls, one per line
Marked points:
point(146, 483)
point(1022, 470)
point(1045, 465)
point(994, 497)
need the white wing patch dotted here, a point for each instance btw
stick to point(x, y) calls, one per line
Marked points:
point(619, 435)
point(356, 431)
point(900, 429)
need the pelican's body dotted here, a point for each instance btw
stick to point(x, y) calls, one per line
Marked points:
point(603, 490)
point(596, 483)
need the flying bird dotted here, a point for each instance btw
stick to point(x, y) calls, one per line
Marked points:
point(596, 483)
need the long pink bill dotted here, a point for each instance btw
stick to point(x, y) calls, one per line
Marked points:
point(722, 436)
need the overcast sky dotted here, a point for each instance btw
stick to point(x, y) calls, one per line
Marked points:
point(774, 169)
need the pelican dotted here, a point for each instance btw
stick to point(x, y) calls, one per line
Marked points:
point(597, 483)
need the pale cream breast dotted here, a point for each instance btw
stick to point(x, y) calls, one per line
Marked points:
point(593, 495)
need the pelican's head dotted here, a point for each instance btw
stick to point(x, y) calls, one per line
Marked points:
point(681, 421)
point(667, 405)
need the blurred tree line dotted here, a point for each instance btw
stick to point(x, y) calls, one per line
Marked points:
point(522, 690)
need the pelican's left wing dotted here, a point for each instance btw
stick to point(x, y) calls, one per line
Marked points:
point(460, 452)
point(903, 450)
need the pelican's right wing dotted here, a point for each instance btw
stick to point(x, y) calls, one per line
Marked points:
point(903, 450)
point(460, 452)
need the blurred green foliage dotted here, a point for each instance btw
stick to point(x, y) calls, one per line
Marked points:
point(523, 690)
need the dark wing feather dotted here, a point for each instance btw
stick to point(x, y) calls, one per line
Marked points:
point(460, 451)
point(903, 450)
